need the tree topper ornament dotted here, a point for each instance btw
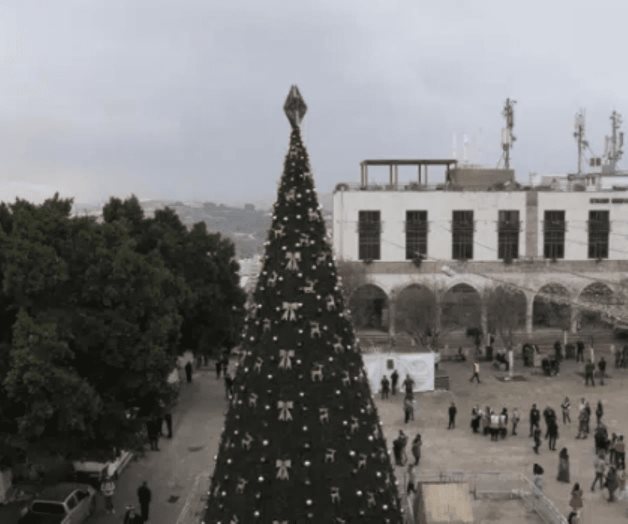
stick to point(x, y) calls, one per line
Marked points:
point(295, 107)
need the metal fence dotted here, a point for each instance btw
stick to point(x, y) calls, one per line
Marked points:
point(499, 484)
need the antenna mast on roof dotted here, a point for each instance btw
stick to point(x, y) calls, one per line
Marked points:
point(614, 143)
point(508, 138)
point(580, 139)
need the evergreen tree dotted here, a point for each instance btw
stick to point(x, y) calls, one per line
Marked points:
point(302, 440)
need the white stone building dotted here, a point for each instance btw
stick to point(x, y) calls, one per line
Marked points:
point(564, 245)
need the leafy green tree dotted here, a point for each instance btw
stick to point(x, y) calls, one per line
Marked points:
point(302, 440)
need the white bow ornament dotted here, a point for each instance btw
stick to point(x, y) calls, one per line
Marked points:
point(285, 358)
point(284, 409)
point(293, 260)
point(290, 311)
point(282, 469)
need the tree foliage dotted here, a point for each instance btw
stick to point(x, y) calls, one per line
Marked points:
point(505, 311)
point(93, 317)
point(417, 314)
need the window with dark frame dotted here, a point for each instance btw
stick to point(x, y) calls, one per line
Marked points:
point(369, 233)
point(554, 234)
point(416, 234)
point(599, 228)
point(462, 235)
point(508, 227)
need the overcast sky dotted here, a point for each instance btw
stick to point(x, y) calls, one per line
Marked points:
point(183, 99)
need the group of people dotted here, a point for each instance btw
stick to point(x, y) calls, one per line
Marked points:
point(494, 423)
point(131, 515)
point(401, 458)
point(390, 386)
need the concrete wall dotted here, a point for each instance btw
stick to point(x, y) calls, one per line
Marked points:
point(485, 205)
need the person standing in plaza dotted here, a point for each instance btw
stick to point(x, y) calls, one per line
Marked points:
point(611, 483)
point(452, 416)
point(535, 418)
point(515, 420)
point(599, 465)
point(552, 433)
point(563, 466)
point(599, 412)
point(416, 449)
point(144, 496)
point(218, 368)
point(408, 409)
point(476, 372)
point(589, 368)
point(168, 421)
point(188, 371)
point(537, 474)
point(537, 439)
point(394, 379)
point(601, 366)
point(408, 385)
point(575, 502)
point(385, 384)
point(399, 448)
point(579, 351)
point(565, 409)
point(411, 481)
point(108, 488)
point(153, 429)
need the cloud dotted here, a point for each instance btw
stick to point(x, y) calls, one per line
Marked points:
point(185, 101)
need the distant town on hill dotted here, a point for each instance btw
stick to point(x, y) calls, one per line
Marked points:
point(247, 225)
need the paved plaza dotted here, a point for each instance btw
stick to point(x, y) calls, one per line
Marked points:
point(460, 449)
point(179, 473)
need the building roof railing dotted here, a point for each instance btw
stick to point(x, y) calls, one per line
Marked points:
point(421, 164)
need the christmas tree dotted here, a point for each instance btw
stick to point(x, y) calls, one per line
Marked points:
point(302, 440)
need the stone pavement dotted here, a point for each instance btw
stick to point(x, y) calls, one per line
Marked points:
point(178, 474)
point(460, 449)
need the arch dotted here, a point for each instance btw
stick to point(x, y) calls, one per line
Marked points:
point(416, 313)
point(595, 302)
point(369, 307)
point(551, 307)
point(461, 307)
point(506, 309)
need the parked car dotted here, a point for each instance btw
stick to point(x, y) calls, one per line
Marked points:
point(63, 503)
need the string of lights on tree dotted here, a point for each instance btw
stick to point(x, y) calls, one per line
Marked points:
point(302, 441)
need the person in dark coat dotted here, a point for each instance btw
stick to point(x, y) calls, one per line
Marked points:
point(563, 466)
point(537, 439)
point(452, 416)
point(601, 365)
point(168, 421)
point(218, 367)
point(385, 383)
point(188, 371)
point(552, 433)
point(599, 412)
point(144, 495)
point(579, 351)
point(153, 429)
point(535, 418)
point(394, 379)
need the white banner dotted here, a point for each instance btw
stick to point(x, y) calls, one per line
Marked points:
point(420, 367)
